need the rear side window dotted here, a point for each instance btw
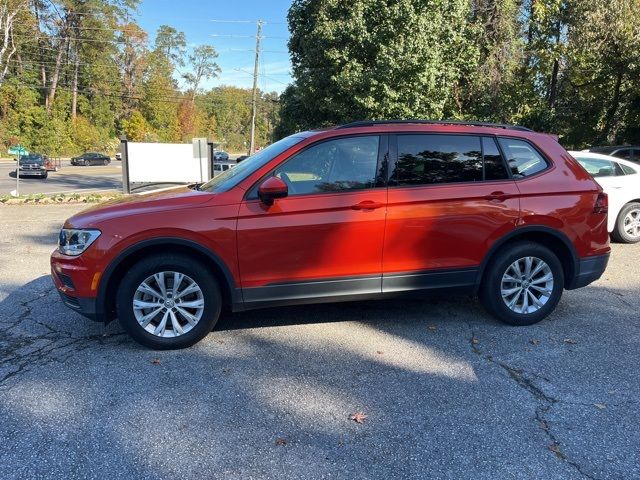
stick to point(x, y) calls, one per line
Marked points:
point(522, 158)
point(494, 168)
point(627, 169)
point(431, 159)
point(598, 167)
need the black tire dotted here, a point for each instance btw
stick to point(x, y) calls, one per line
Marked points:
point(105, 162)
point(619, 233)
point(176, 263)
point(490, 289)
point(45, 175)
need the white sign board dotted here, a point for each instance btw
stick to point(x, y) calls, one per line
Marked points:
point(166, 162)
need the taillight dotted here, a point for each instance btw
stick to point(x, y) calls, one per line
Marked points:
point(602, 203)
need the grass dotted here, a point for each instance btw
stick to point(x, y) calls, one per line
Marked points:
point(39, 198)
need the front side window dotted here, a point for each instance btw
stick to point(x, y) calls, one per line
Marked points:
point(335, 165)
point(522, 158)
point(598, 167)
point(433, 159)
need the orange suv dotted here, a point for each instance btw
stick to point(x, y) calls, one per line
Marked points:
point(360, 211)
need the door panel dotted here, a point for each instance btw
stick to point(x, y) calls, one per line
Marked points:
point(325, 238)
point(448, 217)
point(448, 226)
point(310, 238)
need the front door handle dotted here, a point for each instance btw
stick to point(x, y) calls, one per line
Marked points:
point(497, 196)
point(367, 205)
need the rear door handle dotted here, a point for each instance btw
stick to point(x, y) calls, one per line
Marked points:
point(367, 205)
point(497, 197)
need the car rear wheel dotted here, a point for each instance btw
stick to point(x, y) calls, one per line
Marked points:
point(627, 229)
point(168, 302)
point(522, 284)
point(105, 162)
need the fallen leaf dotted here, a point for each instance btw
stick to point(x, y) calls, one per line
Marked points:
point(600, 406)
point(156, 361)
point(535, 342)
point(358, 417)
point(281, 441)
point(433, 328)
point(226, 370)
point(379, 352)
point(475, 341)
point(555, 448)
point(570, 341)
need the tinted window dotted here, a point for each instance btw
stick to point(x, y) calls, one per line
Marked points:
point(494, 168)
point(598, 167)
point(429, 159)
point(334, 165)
point(628, 170)
point(625, 154)
point(522, 158)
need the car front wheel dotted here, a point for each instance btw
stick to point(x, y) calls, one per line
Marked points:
point(522, 284)
point(168, 302)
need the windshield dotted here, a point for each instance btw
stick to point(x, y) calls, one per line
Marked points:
point(31, 159)
point(233, 176)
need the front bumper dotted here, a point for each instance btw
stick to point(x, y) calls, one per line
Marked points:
point(588, 270)
point(32, 173)
point(73, 280)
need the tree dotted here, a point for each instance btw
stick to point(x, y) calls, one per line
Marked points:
point(9, 12)
point(136, 128)
point(376, 59)
point(203, 67)
point(172, 43)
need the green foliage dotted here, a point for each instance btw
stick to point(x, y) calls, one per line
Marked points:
point(62, 95)
point(376, 59)
point(571, 67)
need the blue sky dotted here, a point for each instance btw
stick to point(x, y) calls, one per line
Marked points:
point(234, 41)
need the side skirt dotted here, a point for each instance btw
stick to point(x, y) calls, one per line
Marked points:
point(357, 289)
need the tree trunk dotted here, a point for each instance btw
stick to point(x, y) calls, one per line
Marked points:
point(611, 127)
point(56, 76)
point(74, 98)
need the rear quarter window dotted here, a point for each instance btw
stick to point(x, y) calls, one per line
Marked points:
point(523, 159)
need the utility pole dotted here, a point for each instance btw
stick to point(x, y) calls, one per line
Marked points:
point(252, 146)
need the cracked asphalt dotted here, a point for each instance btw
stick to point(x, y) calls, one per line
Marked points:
point(448, 392)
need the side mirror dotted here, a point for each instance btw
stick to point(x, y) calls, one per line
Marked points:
point(272, 188)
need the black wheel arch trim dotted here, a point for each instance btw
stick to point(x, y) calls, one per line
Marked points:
point(575, 259)
point(101, 307)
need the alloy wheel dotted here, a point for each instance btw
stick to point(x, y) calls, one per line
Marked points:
point(632, 223)
point(527, 285)
point(168, 304)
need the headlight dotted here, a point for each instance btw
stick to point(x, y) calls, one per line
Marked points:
point(74, 242)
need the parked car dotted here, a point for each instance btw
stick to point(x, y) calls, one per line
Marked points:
point(241, 158)
point(625, 152)
point(360, 211)
point(220, 167)
point(220, 156)
point(91, 158)
point(33, 165)
point(620, 179)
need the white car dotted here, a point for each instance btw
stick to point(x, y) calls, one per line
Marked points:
point(620, 179)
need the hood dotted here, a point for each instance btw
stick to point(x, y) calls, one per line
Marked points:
point(136, 204)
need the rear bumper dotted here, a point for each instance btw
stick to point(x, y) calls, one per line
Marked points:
point(589, 270)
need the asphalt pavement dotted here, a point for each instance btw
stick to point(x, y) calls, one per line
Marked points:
point(447, 391)
point(69, 179)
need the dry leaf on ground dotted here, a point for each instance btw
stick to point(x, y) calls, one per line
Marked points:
point(358, 417)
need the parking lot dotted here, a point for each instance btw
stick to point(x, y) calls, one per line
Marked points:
point(446, 389)
point(69, 179)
